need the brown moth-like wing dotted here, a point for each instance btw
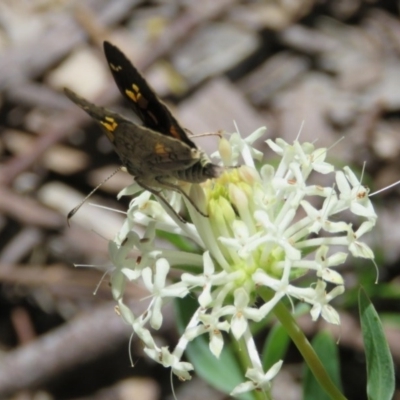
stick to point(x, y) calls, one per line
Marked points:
point(144, 101)
point(145, 153)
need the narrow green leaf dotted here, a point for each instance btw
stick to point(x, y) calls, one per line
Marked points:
point(275, 346)
point(380, 371)
point(326, 350)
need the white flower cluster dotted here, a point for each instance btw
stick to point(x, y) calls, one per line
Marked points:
point(265, 229)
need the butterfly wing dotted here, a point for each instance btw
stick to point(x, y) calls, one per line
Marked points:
point(145, 153)
point(144, 101)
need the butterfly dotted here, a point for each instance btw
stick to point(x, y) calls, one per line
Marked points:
point(158, 153)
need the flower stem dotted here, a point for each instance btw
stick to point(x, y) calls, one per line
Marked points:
point(304, 346)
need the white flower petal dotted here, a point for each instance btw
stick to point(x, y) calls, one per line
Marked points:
point(238, 325)
point(216, 343)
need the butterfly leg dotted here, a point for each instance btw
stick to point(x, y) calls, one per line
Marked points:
point(158, 194)
point(182, 192)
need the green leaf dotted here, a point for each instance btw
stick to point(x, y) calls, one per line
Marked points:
point(275, 346)
point(326, 350)
point(179, 241)
point(224, 373)
point(380, 371)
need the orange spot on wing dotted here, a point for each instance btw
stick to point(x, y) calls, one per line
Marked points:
point(174, 132)
point(131, 95)
point(115, 68)
point(137, 97)
point(110, 125)
point(160, 149)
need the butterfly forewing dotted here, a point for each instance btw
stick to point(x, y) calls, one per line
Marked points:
point(150, 109)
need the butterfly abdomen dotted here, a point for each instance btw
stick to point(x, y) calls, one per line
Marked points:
point(201, 171)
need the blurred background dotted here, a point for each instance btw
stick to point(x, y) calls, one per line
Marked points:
point(333, 64)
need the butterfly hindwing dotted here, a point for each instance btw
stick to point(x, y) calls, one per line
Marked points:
point(146, 104)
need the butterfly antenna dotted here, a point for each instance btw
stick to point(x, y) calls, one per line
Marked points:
point(74, 210)
point(218, 133)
